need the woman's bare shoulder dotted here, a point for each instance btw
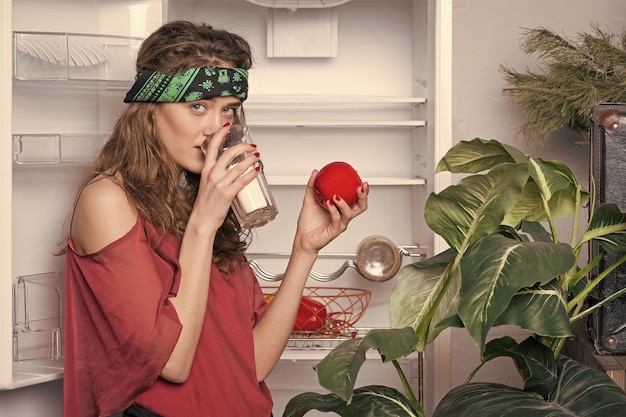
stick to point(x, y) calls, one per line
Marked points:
point(102, 215)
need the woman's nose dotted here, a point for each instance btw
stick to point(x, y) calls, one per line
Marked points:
point(213, 124)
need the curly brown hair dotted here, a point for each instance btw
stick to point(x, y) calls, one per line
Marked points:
point(134, 156)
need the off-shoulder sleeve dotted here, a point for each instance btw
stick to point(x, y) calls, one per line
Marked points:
point(120, 326)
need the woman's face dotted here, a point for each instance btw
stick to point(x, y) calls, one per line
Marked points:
point(184, 126)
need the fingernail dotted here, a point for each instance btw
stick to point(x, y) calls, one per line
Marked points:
point(253, 145)
point(257, 154)
point(337, 198)
point(226, 124)
point(257, 169)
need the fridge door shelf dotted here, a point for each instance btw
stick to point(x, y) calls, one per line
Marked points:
point(54, 148)
point(74, 56)
point(38, 302)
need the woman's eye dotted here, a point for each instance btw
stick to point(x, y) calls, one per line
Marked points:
point(230, 110)
point(198, 107)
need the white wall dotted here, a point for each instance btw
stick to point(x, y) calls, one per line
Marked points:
point(487, 34)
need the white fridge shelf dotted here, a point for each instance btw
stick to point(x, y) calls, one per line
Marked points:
point(333, 111)
point(61, 149)
point(337, 123)
point(303, 347)
point(302, 180)
point(35, 372)
point(315, 100)
point(73, 56)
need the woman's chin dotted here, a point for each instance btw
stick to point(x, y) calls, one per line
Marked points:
point(195, 167)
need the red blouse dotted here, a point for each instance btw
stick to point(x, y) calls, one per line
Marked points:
point(120, 329)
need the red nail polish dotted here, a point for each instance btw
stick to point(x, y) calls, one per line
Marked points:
point(257, 154)
point(226, 124)
point(337, 198)
point(257, 169)
point(253, 145)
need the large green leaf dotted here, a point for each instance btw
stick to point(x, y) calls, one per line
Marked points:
point(534, 361)
point(579, 391)
point(540, 309)
point(474, 156)
point(560, 188)
point(561, 204)
point(538, 366)
point(496, 348)
point(337, 372)
point(608, 227)
point(417, 285)
point(551, 176)
point(529, 202)
point(369, 401)
point(556, 183)
point(536, 230)
point(517, 155)
point(497, 269)
point(464, 213)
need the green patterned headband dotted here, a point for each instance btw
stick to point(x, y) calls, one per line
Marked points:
point(190, 85)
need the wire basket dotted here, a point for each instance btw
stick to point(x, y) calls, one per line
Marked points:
point(327, 311)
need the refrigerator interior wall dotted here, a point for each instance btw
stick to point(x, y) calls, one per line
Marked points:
point(70, 72)
point(306, 112)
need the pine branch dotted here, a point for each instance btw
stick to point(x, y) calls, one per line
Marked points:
point(576, 74)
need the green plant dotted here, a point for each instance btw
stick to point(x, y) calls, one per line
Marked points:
point(576, 74)
point(502, 267)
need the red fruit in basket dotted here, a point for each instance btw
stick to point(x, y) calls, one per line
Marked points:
point(337, 178)
point(311, 315)
point(269, 298)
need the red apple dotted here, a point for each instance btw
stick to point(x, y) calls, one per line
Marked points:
point(337, 178)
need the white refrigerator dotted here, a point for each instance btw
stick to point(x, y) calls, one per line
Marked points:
point(360, 81)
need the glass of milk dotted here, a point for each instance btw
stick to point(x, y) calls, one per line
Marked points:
point(254, 206)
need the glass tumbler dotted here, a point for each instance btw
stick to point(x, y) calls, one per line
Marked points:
point(254, 206)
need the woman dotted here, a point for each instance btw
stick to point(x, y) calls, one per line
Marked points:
point(163, 314)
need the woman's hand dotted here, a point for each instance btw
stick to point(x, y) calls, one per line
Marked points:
point(218, 184)
point(317, 225)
